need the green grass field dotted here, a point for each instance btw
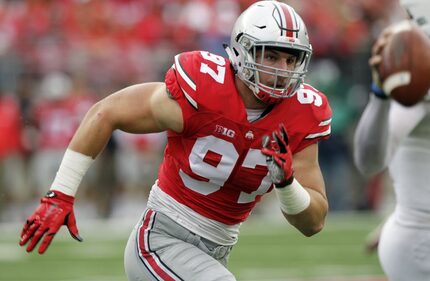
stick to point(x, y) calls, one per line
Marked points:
point(267, 251)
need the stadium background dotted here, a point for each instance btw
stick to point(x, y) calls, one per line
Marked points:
point(58, 57)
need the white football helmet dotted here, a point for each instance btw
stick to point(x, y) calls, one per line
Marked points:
point(419, 11)
point(265, 25)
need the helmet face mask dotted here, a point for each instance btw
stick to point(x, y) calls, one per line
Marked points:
point(283, 82)
point(263, 27)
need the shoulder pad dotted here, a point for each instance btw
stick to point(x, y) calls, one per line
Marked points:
point(181, 77)
point(193, 73)
point(319, 111)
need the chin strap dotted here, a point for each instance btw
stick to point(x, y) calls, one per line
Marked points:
point(230, 56)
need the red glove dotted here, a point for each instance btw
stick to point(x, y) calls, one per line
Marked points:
point(55, 209)
point(279, 158)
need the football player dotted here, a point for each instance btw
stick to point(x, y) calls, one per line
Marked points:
point(237, 129)
point(397, 137)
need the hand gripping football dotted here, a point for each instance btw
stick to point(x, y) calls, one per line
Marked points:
point(405, 67)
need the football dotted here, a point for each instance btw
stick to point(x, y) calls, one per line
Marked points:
point(405, 67)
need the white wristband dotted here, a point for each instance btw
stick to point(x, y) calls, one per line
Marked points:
point(293, 198)
point(71, 171)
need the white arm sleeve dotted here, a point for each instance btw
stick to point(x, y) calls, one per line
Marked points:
point(371, 136)
point(382, 127)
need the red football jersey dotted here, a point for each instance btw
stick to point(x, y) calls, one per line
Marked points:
point(215, 166)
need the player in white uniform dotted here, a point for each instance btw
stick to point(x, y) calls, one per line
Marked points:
point(227, 123)
point(398, 137)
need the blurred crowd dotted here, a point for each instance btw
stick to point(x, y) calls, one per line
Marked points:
point(59, 57)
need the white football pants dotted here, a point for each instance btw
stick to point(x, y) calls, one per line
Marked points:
point(404, 252)
point(160, 249)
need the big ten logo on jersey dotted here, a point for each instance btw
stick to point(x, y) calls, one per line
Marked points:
point(225, 131)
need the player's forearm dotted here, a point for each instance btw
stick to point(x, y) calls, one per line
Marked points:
point(89, 140)
point(94, 131)
point(311, 220)
point(371, 137)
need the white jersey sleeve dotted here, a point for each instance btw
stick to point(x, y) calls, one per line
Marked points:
point(382, 127)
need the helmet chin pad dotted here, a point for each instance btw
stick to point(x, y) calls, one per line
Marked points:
point(272, 95)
